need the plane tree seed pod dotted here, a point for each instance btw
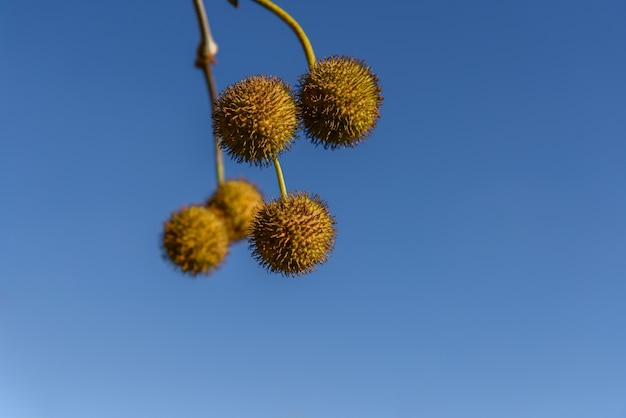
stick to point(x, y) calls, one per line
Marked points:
point(195, 240)
point(255, 119)
point(237, 201)
point(293, 235)
point(339, 102)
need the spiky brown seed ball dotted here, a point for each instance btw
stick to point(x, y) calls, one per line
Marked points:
point(293, 235)
point(255, 119)
point(339, 100)
point(237, 201)
point(195, 240)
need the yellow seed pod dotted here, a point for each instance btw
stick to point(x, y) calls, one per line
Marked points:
point(195, 240)
point(293, 235)
point(255, 119)
point(237, 201)
point(339, 100)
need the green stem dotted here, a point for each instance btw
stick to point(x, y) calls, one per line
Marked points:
point(295, 27)
point(281, 179)
point(205, 59)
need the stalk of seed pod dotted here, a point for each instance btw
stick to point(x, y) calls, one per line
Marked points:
point(237, 201)
point(339, 102)
point(293, 235)
point(195, 240)
point(294, 26)
point(255, 119)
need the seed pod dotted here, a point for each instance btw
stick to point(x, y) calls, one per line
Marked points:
point(237, 201)
point(339, 101)
point(255, 119)
point(195, 240)
point(293, 235)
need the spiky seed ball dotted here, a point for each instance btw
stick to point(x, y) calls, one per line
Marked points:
point(293, 235)
point(237, 201)
point(339, 101)
point(195, 240)
point(255, 119)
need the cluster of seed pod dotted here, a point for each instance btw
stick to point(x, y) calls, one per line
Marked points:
point(196, 238)
point(336, 105)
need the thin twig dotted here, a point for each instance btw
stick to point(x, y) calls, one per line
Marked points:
point(204, 60)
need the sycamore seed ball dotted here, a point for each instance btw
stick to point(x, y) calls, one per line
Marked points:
point(195, 240)
point(237, 201)
point(339, 100)
point(293, 235)
point(255, 119)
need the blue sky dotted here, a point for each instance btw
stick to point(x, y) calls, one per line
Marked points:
point(479, 270)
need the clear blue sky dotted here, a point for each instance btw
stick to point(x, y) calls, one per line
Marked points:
point(480, 266)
